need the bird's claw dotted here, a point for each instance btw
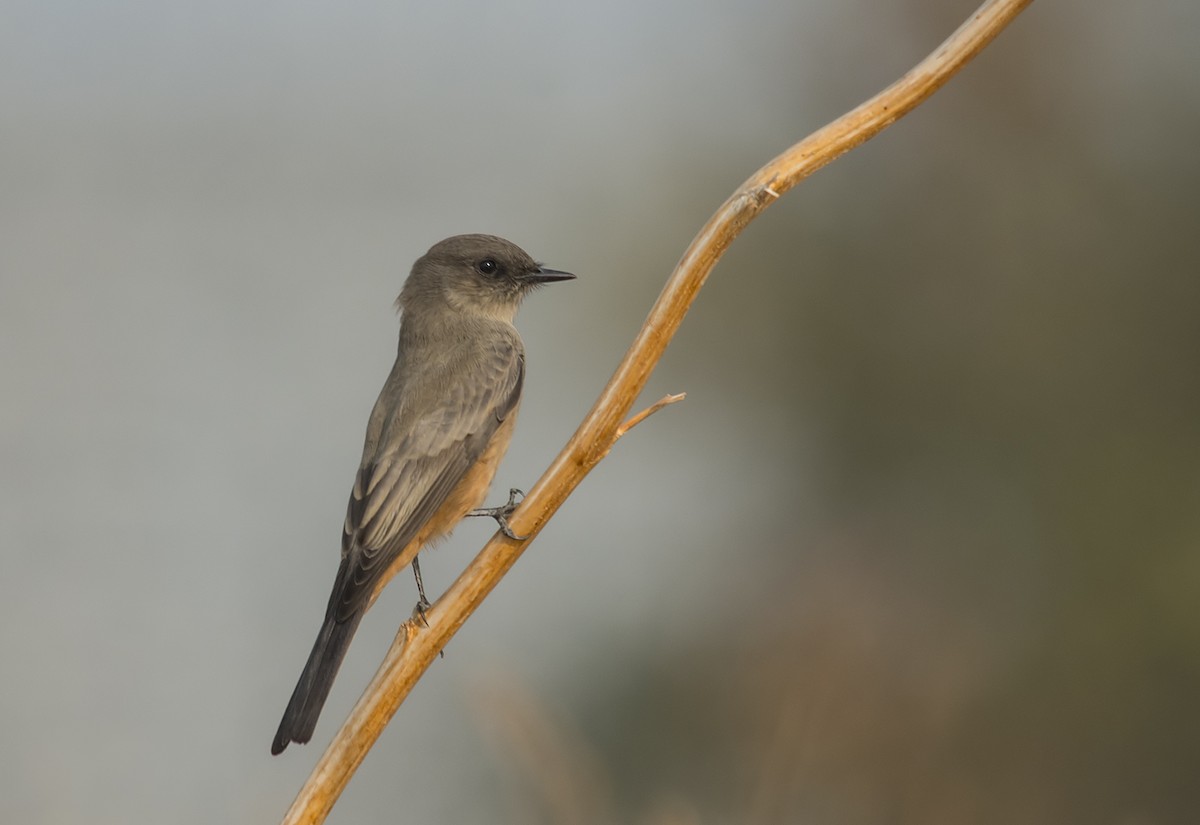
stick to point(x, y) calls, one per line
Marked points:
point(501, 513)
point(420, 611)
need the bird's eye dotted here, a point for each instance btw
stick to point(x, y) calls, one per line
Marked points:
point(488, 267)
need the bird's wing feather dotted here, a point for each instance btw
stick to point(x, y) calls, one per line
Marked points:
point(402, 486)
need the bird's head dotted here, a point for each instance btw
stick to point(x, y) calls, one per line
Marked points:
point(475, 275)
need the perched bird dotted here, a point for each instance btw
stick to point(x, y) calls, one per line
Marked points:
point(437, 432)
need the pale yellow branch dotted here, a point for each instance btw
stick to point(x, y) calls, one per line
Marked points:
point(416, 647)
point(646, 413)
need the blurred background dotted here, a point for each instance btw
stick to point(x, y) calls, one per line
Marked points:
point(920, 546)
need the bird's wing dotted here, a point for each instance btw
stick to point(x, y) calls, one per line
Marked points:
point(403, 485)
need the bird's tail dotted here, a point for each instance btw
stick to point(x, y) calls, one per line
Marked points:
point(300, 718)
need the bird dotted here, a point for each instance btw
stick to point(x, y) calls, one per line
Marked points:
point(435, 437)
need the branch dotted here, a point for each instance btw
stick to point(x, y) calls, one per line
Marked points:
point(666, 400)
point(416, 647)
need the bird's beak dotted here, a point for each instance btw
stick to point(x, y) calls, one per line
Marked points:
point(542, 275)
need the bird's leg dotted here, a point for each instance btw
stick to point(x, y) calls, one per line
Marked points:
point(501, 514)
point(422, 602)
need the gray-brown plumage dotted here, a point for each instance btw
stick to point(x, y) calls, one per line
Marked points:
point(438, 430)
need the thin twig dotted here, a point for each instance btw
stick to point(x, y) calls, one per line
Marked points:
point(415, 648)
point(646, 413)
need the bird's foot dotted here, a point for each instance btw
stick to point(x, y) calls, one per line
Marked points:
point(420, 611)
point(423, 604)
point(501, 513)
